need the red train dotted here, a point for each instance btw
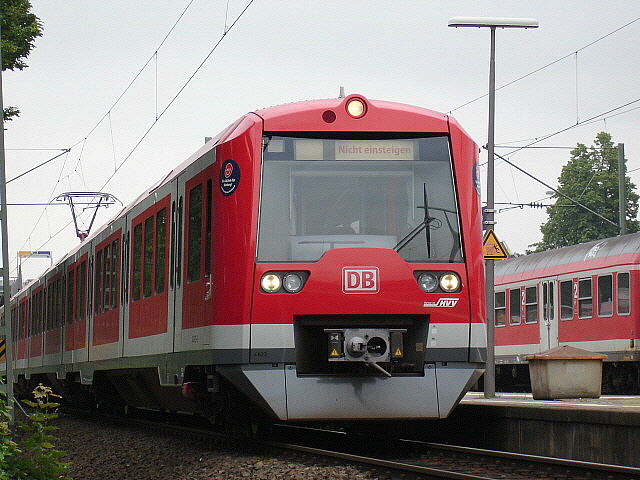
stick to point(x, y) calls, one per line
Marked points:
point(318, 260)
point(581, 296)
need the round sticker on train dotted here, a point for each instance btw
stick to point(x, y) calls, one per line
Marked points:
point(229, 177)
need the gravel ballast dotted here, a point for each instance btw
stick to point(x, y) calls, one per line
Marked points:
point(104, 452)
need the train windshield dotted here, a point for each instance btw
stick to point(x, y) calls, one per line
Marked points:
point(358, 192)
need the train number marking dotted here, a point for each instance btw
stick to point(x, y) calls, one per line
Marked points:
point(360, 280)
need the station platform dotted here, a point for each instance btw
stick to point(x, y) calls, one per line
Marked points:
point(602, 430)
point(606, 403)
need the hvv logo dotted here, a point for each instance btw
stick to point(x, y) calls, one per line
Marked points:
point(360, 280)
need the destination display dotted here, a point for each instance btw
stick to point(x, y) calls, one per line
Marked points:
point(313, 149)
point(374, 150)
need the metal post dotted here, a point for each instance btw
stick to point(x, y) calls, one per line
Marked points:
point(5, 263)
point(490, 372)
point(622, 194)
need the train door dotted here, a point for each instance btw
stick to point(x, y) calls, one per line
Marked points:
point(105, 300)
point(148, 328)
point(192, 274)
point(549, 323)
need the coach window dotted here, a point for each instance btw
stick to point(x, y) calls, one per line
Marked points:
point(622, 293)
point(115, 252)
point(531, 304)
point(514, 306)
point(137, 261)
point(566, 300)
point(500, 309)
point(585, 299)
point(605, 296)
point(161, 248)
point(194, 246)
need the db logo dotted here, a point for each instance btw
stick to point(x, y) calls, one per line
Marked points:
point(360, 280)
point(228, 170)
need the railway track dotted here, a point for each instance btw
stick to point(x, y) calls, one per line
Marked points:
point(413, 458)
point(433, 460)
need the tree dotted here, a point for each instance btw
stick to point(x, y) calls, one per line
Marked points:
point(590, 177)
point(20, 28)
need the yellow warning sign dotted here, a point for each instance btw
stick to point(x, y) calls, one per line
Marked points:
point(334, 353)
point(3, 349)
point(491, 246)
point(397, 353)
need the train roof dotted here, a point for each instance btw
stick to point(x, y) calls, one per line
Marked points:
point(620, 250)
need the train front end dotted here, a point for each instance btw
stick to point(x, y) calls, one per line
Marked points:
point(368, 290)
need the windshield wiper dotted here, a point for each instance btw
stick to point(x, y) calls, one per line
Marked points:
point(424, 225)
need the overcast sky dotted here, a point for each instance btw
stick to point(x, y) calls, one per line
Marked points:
point(286, 51)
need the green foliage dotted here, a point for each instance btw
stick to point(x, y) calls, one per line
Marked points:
point(20, 28)
point(590, 177)
point(33, 456)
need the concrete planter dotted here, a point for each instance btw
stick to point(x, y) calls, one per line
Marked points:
point(565, 372)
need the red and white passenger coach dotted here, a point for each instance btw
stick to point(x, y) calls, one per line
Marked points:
point(318, 260)
point(580, 296)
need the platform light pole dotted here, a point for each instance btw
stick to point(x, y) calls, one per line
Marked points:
point(492, 23)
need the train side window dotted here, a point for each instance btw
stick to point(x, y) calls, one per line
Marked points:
point(605, 296)
point(60, 307)
point(531, 304)
point(106, 278)
point(137, 262)
point(77, 291)
point(585, 299)
point(566, 300)
point(83, 290)
point(500, 309)
point(194, 245)
point(115, 254)
point(147, 276)
point(179, 242)
point(207, 238)
point(161, 248)
point(622, 293)
point(97, 294)
point(514, 306)
point(70, 283)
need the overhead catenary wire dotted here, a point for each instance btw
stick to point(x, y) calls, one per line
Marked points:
point(533, 72)
point(159, 115)
point(175, 97)
point(556, 191)
point(107, 113)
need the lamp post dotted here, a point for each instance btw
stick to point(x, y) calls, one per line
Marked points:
point(492, 23)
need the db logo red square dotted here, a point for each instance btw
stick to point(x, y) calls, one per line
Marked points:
point(360, 280)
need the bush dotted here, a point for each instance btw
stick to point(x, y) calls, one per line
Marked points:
point(32, 455)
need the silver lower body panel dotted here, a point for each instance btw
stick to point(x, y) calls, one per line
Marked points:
point(287, 396)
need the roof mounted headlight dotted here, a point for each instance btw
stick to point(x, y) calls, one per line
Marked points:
point(356, 107)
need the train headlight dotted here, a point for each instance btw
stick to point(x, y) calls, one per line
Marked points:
point(449, 282)
point(428, 282)
point(270, 283)
point(292, 282)
point(356, 108)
